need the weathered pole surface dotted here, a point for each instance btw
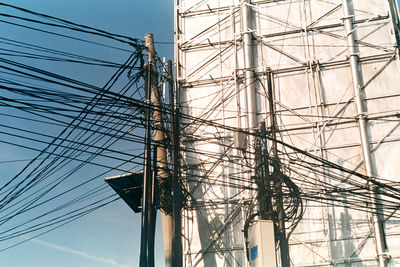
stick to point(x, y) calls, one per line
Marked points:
point(363, 128)
point(277, 177)
point(159, 141)
point(176, 186)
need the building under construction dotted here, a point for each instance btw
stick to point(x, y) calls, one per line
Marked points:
point(278, 145)
point(290, 116)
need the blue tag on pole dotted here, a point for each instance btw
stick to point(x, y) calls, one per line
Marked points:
point(253, 253)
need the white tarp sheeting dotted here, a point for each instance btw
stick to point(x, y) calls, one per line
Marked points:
point(302, 43)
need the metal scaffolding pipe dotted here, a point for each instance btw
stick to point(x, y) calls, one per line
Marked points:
point(363, 128)
point(249, 66)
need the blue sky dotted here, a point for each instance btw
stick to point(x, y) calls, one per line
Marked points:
point(109, 236)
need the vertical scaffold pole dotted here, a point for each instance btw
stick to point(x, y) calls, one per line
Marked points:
point(363, 128)
point(249, 66)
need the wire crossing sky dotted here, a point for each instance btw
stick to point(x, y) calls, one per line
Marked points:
point(72, 111)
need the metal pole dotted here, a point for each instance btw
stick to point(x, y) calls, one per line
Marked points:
point(363, 128)
point(147, 173)
point(159, 140)
point(152, 212)
point(266, 174)
point(277, 177)
point(249, 66)
point(176, 188)
point(262, 174)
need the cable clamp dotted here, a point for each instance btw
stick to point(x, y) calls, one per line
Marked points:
point(347, 17)
point(362, 115)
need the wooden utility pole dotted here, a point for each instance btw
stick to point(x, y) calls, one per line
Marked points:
point(159, 141)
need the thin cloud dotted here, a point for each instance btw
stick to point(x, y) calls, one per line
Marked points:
point(78, 252)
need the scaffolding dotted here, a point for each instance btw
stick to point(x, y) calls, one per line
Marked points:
point(333, 69)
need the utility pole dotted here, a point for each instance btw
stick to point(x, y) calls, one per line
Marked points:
point(159, 140)
point(278, 180)
point(176, 186)
point(262, 175)
point(266, 174)
point(151, 219)
point(146, 176)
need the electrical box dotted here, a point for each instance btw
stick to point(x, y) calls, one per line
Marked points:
point(262, 244)
point(240, 140)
